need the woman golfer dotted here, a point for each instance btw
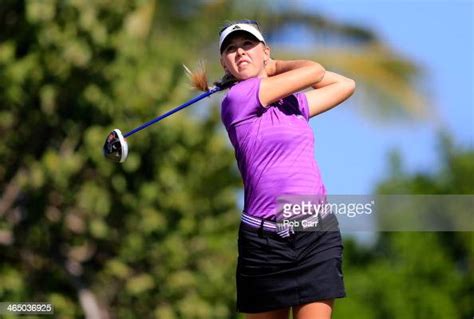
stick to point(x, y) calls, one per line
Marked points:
point(266, 116)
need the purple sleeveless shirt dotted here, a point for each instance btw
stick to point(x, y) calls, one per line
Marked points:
point(274, 147)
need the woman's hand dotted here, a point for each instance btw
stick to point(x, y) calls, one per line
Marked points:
point(288, 77)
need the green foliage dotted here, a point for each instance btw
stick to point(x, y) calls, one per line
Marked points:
point(416, 274)
point(153, 237)
point(454, 175)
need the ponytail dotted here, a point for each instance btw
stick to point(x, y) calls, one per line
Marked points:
point(226, 81)
point(199, 78)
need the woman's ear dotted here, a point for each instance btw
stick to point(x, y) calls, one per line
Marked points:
point(223, 64)
point(266, 52)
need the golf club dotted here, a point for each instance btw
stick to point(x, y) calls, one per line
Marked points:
point(116, 147)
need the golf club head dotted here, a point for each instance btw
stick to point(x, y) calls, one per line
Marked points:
point(115, 147)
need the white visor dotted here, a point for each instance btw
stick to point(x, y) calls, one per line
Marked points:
point(240, 27)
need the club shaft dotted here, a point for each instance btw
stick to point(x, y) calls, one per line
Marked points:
point(159, 118)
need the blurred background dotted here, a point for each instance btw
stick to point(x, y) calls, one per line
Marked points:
point(155, 237)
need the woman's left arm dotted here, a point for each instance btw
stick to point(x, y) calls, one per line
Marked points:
point(332, 90)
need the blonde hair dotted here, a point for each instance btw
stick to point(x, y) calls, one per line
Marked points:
point(199, 80)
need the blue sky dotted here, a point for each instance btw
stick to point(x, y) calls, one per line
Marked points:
point(438, 35)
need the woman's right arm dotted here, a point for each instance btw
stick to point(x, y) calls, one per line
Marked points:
point(288, 77)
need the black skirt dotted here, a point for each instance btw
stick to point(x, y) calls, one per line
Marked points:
point(275, 272)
